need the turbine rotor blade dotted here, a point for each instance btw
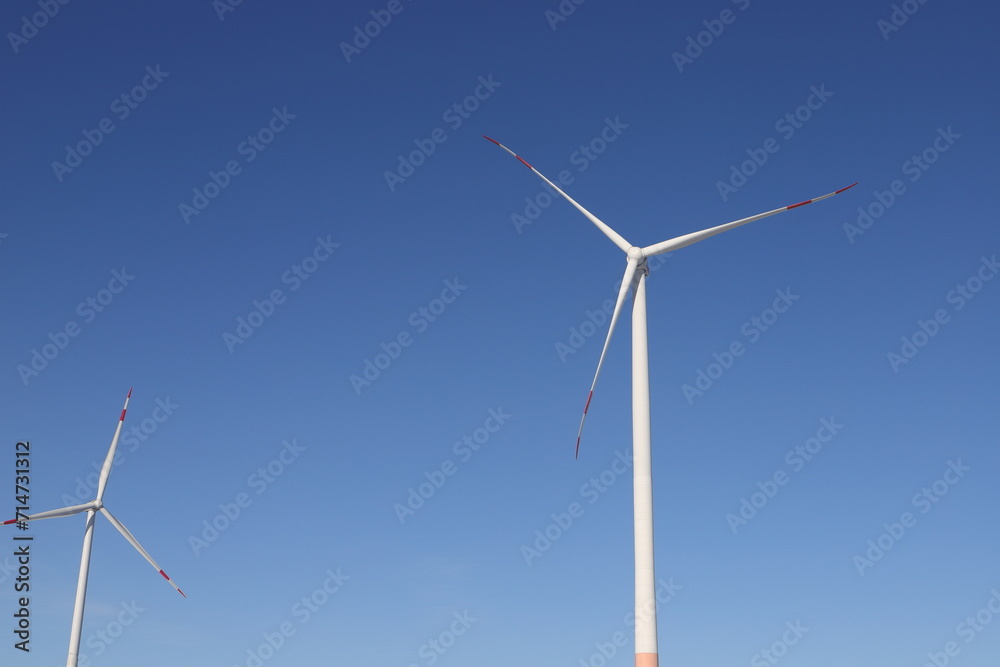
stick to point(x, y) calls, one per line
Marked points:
point(615, 237)
point(110, 458)
point(688, 239)
point(135, 543)
point(53, 514)
point(630, 270)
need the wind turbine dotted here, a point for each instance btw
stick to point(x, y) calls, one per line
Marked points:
point(92, 508)
point(646, 654)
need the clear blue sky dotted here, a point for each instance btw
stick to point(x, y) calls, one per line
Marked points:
point(209, 161)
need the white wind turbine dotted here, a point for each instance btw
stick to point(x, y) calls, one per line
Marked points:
point(92, 508)
point(635, 278)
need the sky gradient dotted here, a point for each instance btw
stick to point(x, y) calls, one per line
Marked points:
point(360, 336)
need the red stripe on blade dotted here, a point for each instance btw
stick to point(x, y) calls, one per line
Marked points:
point(7, 523)
point(122, 418)
point(587, 406)
point(801, 203)
point(493, 140)
point(524, 162)
point(847, 188)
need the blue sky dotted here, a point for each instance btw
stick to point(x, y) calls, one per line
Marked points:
point(226, 208)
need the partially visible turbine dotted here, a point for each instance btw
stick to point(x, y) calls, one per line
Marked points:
point(92, 508)
point(646, 654)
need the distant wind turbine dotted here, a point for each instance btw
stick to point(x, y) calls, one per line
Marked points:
point(646, 654)
point(92, 508)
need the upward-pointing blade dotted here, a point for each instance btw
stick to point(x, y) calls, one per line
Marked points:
point(53, 514)
point(110, 458)
point(630, 269)
point(615, 237)
point(135, 543)
point(688, 239)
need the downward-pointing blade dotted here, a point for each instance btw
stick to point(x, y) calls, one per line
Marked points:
point(615, 237)
point(630, 269)
point(688, 239)
point(53, 514)
point(135, 543)
point(110, 458)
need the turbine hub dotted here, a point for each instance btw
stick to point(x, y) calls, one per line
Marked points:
point(635, 252)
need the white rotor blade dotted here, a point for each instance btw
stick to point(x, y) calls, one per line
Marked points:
point(688, 239)
point(135, 543)
point(110, 458)
point(52, 514)
point(610, 233)
point(630, 269)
